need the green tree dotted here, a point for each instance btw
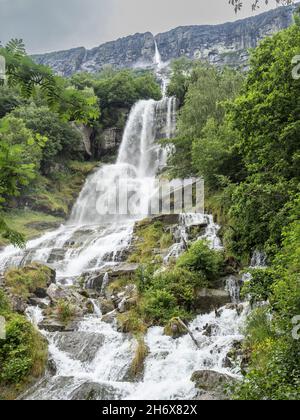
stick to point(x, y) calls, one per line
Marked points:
point(63, 140)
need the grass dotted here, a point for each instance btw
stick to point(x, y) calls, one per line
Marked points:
point(23, 356)
point(150, 238)
point(138, 362)
point(30, 223)
point(24, 281)
point(65, 311)
point(48, 201)
point(132, 322)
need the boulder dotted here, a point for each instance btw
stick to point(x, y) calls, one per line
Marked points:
point(79, 344)
point(207, 300)
point(53, 325)
point(212, 385)
point(106, 306)
point(18, 304)
point(122, 270)
point(94, 391)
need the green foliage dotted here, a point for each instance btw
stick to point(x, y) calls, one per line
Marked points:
point(4, 304)
point(117, 91)
point(208, 88)
point(65, 311)
point(215, 155)
point(23, 356)
point(274, 371)
point(158, 306)
point(167, 294)
point(62, 139)
point(181, 74)
point(203, 260)
point(21, 71)
point(258, 287)
point(9, 99)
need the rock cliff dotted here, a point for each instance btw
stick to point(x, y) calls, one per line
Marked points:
point(220, 44)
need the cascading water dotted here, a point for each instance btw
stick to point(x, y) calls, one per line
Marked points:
point(96, 356)
point(91, 234)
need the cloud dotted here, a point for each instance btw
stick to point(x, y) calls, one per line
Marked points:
point(62, 24)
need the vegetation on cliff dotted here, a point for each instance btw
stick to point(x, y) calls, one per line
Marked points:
point(247, 150)
point(23, 353)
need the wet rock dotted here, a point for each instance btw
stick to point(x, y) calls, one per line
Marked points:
point(71, 296)
point(94, 391)
point(41, 303)
point(235, 307)
point(51, 367)
point(106, 306)
point(78, 344)
point(208, 300)
point(53, 325)
point(212, 385)
point(43, 226)
point(122, 270)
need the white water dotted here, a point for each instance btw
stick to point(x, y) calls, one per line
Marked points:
point(91, 240)
point(92, 236)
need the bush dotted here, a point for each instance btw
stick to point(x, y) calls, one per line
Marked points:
point(258, 288)
point(203, 260)
point(4, 304)
point(23, 355)
point(65, 311)
point(158, 306)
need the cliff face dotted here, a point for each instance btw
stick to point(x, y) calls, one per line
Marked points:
point(220, 44)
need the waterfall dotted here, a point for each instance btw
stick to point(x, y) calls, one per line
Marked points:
point(96, 356)
point(92, 234)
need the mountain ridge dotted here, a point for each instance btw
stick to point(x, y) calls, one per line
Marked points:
point(223, 44)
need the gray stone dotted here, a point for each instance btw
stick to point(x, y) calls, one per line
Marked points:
point(54, 325)
point(81, 345)
point(208, 300)
point(212, 385)
point(225, 44)
point(93, 391)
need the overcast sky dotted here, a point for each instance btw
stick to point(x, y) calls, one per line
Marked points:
point(62, 24)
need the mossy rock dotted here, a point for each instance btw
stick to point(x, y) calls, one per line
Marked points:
point(31, 279)
point(175, 329)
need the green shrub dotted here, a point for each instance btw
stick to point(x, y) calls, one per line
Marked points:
point(158, 306)
point(180, 283)
point(4, 304)
point(138, 362)
point(65, 311)
point(200, 258)
point(23, 355)
point(258, 288)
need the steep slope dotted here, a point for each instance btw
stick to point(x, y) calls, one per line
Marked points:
point(220, 44)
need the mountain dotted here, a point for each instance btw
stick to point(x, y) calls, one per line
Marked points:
point(220, 44)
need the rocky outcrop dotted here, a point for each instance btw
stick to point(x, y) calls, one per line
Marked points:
point(208, 300)
point(79, 344)
point(212, 385)
point(219, 44)
point(90, 391)
point(106, 142)
point(85, 133)
point(225, 44)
